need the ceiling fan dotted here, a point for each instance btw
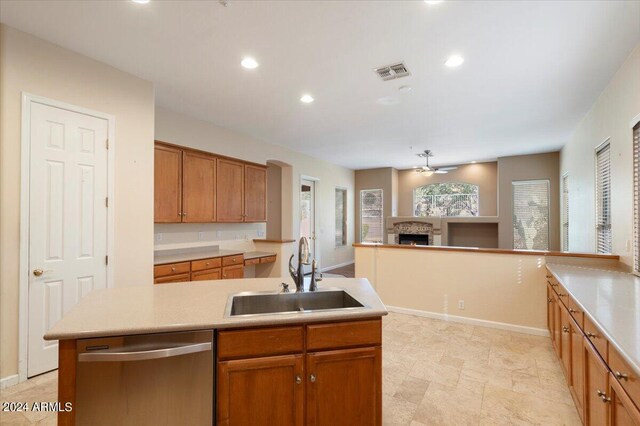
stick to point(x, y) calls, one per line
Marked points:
point(428, 170)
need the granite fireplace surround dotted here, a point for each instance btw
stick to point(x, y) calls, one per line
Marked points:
point(430, 226)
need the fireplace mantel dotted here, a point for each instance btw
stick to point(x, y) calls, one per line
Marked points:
point(430, 226)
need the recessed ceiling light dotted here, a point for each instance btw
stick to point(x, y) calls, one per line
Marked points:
point(307, 99)
point(474, 162)
point(404, 89)
point(141, 1)
point(249, 63)
point(454, 61)
point(433, 1)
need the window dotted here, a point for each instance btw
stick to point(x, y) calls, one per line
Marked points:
point(531, 214)
point(565, 212)
point(341, 217)
point(603, 199)
point(371, 217)
point(636, 198)
point(446, 199)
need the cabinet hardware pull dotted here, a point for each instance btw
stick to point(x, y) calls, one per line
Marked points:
point(173, 269)
point(312, 378)
point(573, 311)
point(562, 295)
point(621, 376)
point(565, 329)
point(590, 335)
point(549, 300)
point(298, 380)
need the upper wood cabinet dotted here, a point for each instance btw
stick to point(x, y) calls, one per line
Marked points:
point(255, 194)
point(230, 189)
point(199, 188)
point(167, 184)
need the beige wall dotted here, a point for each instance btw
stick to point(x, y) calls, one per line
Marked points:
point(35, 66)
point(526, 167)
point(507, 290)
point(183, 130)
point(609, 118)
point(274, 201)
point(485, 175)
point(384, 178)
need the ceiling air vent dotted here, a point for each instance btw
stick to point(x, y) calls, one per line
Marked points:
point(390, 72)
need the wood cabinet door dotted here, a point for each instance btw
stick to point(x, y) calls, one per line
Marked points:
point(232, 272)
point(198, 188)
point(178, 278)
point(596, 377)
point(577, 367)
point(255, 193)
point(550, 309)
point(229, 191)
point(261, 391)
point(167, 190)
point(623, 410)
point(344, 387)
point(557, 325)
point(209, 274)
point(565, 342)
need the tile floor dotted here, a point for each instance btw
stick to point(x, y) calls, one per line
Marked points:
point(434, 373)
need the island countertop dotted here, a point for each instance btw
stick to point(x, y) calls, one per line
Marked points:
point(194, 306)
point(609, 297)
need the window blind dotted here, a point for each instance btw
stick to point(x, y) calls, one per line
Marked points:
point(371, 216)
point(603, 199)
point(531, 214)
point(341, 217)
point(636, 198)
point(565, 212)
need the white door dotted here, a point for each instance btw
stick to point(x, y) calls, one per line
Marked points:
point(308, 217)
point(67, 220)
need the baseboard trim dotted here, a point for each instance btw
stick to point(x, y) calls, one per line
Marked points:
point(472, 321)
point(339, 265)
point(5, 382)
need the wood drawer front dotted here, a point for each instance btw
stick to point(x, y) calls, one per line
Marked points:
point(625, 375)
point(576, 312)
point(209, 274)
point(563, 295)
point(179, 278)
point(268, 259)
point(171, 269)
point(596, 338)
point(233, 260)
point(252, 261)
point(201, 265)
point(344, 334)
point(260, 342)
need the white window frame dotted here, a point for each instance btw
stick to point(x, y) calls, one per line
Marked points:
point(345, 209)
point(362, 191)
point(564, 230)
point(635, 122)
point(600, 147)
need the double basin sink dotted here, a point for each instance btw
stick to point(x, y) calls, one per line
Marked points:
point(260, 303)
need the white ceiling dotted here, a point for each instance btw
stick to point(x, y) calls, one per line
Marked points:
point(532, 68)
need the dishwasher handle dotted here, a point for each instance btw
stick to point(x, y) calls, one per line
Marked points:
point(143, 355)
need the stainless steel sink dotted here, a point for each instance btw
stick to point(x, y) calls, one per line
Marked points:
point(287, 303)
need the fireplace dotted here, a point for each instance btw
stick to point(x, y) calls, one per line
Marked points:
point(413, 239)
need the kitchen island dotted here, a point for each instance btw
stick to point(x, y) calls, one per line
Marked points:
point(306, 367)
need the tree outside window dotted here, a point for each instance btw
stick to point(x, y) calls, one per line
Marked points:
point(446, 199)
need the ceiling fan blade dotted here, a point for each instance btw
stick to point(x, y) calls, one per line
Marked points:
point(441, 171)
point(448, 168)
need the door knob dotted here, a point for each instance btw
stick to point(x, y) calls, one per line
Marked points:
point(38, 272)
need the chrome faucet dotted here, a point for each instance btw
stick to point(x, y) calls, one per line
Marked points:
point(315, 276)
point(303, 259)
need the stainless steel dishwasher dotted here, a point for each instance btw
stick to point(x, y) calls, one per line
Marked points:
point(150, 379)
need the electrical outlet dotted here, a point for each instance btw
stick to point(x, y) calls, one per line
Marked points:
point(461, 304)
point(158, 237)
point(200, 236)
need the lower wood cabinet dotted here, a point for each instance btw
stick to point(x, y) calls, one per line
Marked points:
point(267, 376)
point(261, 391)
point(596, 387)
point(232, 272)
point(344, 387)
point(208, 274)
point(565, 342)
point(623, 411)
point(576, 383)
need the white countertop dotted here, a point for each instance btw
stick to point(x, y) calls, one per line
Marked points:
point(193, 306)
point(611, 299)
point(186, 255)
